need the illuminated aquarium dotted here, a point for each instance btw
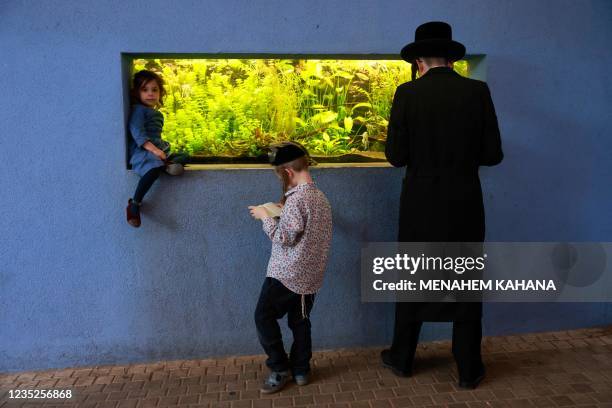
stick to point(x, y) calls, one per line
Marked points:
point(228, 110)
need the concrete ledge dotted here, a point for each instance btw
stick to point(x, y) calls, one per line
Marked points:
point(199, 167)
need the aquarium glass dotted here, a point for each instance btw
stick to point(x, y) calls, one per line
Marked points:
point(230, 110)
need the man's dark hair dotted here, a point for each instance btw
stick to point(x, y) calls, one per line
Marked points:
point(429, 61)
point(435, 60)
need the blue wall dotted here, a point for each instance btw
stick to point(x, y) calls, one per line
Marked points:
point(78, 286)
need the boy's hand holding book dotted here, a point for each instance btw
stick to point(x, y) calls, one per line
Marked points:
point(266, 210)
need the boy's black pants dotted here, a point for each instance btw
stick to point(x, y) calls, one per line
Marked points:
point(275, 300)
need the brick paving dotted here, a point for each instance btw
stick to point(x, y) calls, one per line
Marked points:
point(555, 369)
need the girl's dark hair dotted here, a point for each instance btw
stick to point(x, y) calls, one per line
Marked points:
point(299, 164)
point(141, 78)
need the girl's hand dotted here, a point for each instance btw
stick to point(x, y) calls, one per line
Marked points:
point(258, 212)
point(155, 150)
point(160, 153)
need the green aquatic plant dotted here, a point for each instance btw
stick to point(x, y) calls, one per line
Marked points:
point(237, 107)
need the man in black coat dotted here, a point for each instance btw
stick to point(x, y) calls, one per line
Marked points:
point(442, 128)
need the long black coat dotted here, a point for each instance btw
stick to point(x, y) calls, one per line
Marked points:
point(442, 128)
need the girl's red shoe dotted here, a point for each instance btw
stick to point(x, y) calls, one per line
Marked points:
point(133, 213)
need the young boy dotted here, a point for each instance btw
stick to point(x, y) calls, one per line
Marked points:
point(301, 238)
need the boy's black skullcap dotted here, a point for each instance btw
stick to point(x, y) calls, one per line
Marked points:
point(285, 152)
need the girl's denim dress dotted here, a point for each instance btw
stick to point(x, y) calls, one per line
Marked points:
point(145, 125)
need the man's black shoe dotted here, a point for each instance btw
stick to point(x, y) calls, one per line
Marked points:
point(385, 357)
point(470, 385)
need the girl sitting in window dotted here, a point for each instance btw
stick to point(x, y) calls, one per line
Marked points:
point(149, 153)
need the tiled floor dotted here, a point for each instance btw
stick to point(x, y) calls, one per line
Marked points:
point(560, 369)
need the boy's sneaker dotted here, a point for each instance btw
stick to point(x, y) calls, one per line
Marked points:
point(133, 213)
point(301, 379)
point(174, 169)
point(275, 382)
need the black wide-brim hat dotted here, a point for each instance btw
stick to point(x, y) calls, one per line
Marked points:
point(433, 39)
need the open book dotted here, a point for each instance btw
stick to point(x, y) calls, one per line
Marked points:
point(272, 209)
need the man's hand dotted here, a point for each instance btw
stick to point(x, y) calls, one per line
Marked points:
point(258, 212)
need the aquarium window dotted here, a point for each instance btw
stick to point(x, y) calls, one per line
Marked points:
point(228, 110)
